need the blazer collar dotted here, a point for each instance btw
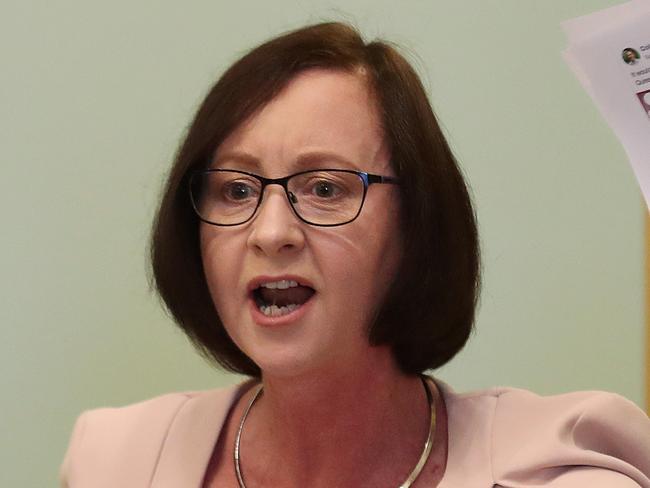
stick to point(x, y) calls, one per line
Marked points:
point(191, 438)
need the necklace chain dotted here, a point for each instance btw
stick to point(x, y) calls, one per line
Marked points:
point(426, 451)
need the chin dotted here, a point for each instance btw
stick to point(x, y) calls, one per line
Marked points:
point(290, 362)
point(286, 366)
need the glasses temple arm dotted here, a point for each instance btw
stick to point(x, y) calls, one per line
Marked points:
point(382, 179)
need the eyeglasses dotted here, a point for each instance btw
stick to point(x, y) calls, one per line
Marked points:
point(322, 197)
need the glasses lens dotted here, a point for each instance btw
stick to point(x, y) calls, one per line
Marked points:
point(327, 197)
point(225, 197)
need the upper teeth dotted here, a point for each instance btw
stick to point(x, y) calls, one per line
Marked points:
point(281, 285)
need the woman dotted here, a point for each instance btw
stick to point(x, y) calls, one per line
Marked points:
point(316, 235)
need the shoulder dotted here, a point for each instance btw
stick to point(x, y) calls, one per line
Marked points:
point(515, 438)
point(104, 439)
point(114, 422)
point(140, 423)
point(576, 439)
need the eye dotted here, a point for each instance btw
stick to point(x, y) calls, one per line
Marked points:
point(238, 191)
point(325, 189)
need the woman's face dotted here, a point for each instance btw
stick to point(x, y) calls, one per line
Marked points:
point(323, 119)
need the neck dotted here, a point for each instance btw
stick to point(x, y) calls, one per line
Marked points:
point(342, 428)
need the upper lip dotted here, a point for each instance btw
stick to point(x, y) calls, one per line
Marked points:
point(259, 280)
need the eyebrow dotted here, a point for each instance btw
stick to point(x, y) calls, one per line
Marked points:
point(308, 160)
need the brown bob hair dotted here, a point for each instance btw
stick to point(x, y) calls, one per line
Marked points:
point(428, 313)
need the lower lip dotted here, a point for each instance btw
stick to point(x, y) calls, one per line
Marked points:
point(288, 319)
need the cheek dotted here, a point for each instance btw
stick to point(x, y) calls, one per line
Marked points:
point(209, 255)
point(221, 263)
point(382, 232)
point(383, 250)
point(361, 262)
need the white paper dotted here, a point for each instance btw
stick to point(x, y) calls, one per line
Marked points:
point(609, 53)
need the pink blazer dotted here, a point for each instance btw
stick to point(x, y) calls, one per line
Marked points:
point(500, 437)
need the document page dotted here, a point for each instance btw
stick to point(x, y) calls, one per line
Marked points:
point(609, 53)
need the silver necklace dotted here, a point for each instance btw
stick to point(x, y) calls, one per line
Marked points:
point(411, 478)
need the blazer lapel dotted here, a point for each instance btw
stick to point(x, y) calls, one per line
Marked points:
point(192, 435)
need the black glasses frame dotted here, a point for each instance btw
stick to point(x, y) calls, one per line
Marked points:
point(367, 179)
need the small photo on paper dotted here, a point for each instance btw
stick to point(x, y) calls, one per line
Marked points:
point(630, 55)
point(644, 98)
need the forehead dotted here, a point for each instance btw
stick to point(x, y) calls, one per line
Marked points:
point(319, 111)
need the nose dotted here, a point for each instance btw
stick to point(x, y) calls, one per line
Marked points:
point(275, 229)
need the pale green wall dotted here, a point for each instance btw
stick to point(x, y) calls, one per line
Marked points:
point(94, 98)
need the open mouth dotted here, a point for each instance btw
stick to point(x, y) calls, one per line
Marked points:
point(280, 298)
